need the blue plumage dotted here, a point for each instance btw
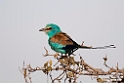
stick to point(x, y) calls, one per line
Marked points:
point(62, 43)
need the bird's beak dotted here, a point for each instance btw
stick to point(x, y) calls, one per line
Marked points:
point(42, 29)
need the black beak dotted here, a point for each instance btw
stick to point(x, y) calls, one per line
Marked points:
point(43, 29)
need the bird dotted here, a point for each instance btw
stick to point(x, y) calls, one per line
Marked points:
point(61, 42)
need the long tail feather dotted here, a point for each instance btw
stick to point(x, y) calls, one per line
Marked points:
point(104, 47)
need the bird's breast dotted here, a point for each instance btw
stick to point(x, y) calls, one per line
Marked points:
point(56, 47)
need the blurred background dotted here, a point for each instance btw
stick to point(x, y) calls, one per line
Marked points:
point(96, 22)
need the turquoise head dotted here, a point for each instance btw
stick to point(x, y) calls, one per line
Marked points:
point(51, 29)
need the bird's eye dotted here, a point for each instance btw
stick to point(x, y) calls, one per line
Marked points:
point(50, 28)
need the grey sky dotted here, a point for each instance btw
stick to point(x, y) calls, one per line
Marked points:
point(96, 22)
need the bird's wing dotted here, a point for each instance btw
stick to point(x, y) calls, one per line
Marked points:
point(63, 39)
point(62, 42)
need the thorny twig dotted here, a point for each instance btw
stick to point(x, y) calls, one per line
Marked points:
point(105, 60)
point(47, 54)
point(76, 69)
point(58, 78)
point(25, 73)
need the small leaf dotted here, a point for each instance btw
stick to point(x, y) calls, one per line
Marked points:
point(45, 71)
point(50, 62)
point(72, 61)
point(99, 80)
point(56, 55)
point(46, 64)
point(25, 72)
point(49, 68)
point(61, 60)
point(70, 74)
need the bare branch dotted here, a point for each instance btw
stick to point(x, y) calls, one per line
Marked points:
point(71, 69)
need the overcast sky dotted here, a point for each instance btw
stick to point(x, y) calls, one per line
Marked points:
point(96, 22)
